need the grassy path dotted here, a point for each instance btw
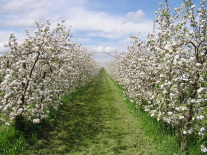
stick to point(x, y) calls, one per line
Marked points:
point(95, 121)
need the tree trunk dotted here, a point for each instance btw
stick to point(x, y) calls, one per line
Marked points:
point(184, 142)
point(19, 123)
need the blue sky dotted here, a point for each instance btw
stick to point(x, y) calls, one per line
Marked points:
point(101, 25)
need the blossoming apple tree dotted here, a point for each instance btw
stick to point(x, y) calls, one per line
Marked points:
point(35, 74)
point(167, 75)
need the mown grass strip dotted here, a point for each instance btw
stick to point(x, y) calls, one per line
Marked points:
point(96, 120)
point(162, 136)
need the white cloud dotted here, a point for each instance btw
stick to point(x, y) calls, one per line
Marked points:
point(19, 6)
point(104, 25)
point(20, 23)
point(4, 36)
point(104, 49)
point(96, 23)
point(103, 58)
point(2, 48)
point(84, 39)
point(137, 16)
point(20, 36)
point(104, 54)
point(112, 30)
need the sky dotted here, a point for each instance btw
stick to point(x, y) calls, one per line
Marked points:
point(104, 26)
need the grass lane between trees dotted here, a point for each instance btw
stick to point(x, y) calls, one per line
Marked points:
point(97, 120)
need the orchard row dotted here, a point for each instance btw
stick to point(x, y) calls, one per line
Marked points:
point(36, 74)
point(166, 76)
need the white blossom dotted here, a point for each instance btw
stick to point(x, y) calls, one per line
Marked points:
point(203, 148)
point(36, 120)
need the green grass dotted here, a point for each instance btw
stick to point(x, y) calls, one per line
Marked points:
point(15, 139)
point(166, 142)
point(95, 120)
point(12, 142)
point(161, 134)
